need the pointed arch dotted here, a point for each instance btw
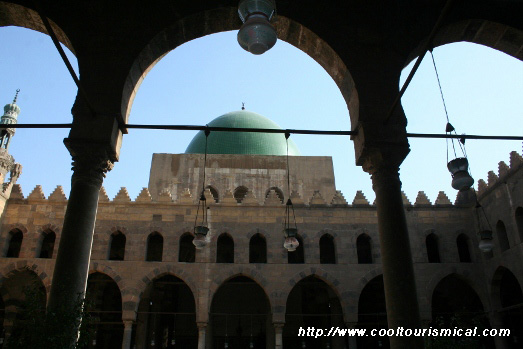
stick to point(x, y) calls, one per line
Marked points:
point(463, 244)
point(278, 192)
point(432, 246)
point(327, 249)
point(154, 247)
point(364, 249)
point(14, 243)
point(225, 249)
point(501, 231)
point(48, 238)
point(117, 246)
point(187, 250)
point(257, 249)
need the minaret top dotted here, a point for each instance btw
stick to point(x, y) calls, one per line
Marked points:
point(11, 111)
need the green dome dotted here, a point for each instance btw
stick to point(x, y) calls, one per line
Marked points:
point(221, 142)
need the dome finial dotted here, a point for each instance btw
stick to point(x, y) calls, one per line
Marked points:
point(243, 105)
point(16, 96)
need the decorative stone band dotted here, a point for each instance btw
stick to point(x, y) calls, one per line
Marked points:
point(91, 160)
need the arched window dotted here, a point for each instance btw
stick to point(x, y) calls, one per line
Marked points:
point(327, 250)
point(463, 248)
point(364, 249)
point(502, 236)
point(257, 249)
point(15, 243)
point(47, 247)
point(239, 193)
point(298, 256)
point(214, 192)
point(432, 248)
point(187, 251)
point(278, 192)
point(225, 250)
point(519, 222)
point(154, 247)
point(117, 246)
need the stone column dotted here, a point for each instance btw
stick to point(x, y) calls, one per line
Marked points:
point(278, 335)
point(90, 163)
point(353, 340)
point(127, 334)
point(398, 271)
point(202, 331)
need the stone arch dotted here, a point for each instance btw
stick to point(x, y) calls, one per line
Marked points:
point(240, 192)
point(215, 193)
point(156, 273)
point(233, 272)
point(496, 284)
point(425, 294)
point(501, 37)
point(30, 19)
point(281, 301)
point(364, 281)
point(30, 266)
point(97, 267)
point(201, 24)
point(49, 226)
point(278, 191)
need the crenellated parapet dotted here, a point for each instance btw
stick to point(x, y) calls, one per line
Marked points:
point(504, 172)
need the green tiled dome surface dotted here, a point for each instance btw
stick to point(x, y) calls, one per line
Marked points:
point(242, 142)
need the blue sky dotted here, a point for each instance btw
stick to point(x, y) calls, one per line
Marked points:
point(211, 76)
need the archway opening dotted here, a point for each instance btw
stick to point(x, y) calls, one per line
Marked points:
point(47, 246)
point(154, 247)
point(508, 289)
point(166, 315)
point(372, 313)
point(104, 303)
point(312, 303)
point(240, 315)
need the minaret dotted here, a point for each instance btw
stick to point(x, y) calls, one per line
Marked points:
point(7, 162)
point(10, 116)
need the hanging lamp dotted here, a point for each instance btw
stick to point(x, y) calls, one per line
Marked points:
point(485, 234)
point(291, 242)
point(257, 35)
point(201, 229)
point(459, 166)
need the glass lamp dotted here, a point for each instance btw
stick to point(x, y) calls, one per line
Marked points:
point(257, 35)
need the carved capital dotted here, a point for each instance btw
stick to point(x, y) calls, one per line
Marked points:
point(91, 160)
point(385, 176)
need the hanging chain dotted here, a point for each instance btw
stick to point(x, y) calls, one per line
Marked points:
point(449, 129)
point(202, 198)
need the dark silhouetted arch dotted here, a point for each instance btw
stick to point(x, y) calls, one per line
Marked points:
point(463, 248)
point(364, 249)
point(240, 192)
point(239, 314)
point(431, 243)
point(187, 252)
point(225, 249)
point(15, 243)
point(117, 246)
point(47, 247)
point(166, 315)
point(502, 236)
point(214, 192)
point(298, 256)
point(327, 250)
point(257, 249)
point(312, 303)
point(519, 222)
point(104, 302)
point(372, 313)
point(154, 247)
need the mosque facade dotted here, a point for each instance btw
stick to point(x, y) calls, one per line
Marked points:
point(151, 288)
